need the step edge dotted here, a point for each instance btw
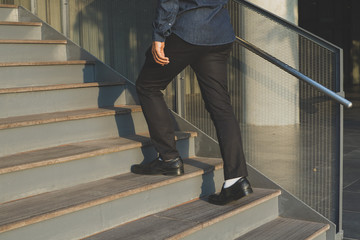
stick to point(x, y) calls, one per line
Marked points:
point(234, 212)
point(48, 63)
point(93, 203)
point(18, 41)
point(58, 87)
point(88, 154)
point(319, 232)
point(67, 116)
point(33, 24)
point(8, 6)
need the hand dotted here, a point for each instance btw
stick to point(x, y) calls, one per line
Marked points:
point(158, 53)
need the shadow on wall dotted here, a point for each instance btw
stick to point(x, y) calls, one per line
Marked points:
point(355, 48)
point(355, 52)
point(117, 32)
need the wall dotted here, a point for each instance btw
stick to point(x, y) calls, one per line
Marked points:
point(273, 100)
point(355, 43)
point(287, 9)
point(116, 32)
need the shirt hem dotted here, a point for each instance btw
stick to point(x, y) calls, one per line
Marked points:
point(205, 44)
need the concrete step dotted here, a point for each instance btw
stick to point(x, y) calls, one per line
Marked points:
point(64, 97)
point(8, 13)
point(35, 172)
point(89, 208)
point(32, 50)
point(27, 133)
point(25, 74)
point(20, 30)
point(285, 228)
point(200, 220)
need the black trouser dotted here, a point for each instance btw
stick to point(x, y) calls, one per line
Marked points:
point(210, 66)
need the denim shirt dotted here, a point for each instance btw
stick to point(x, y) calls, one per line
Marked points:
point(199, 22)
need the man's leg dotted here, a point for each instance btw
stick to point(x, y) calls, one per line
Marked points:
point(211, 72)
point(152, 79)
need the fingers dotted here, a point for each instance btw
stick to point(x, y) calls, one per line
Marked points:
point(158, 53)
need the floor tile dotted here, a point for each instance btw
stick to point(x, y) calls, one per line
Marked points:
point(354, 187)
point(351, 225)
point(351, 202)
point(351, 219)
point(351, 171)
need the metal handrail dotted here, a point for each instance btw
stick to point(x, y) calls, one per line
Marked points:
point(294, 72)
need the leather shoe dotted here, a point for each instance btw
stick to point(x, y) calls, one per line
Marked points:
point(158, 166)
point(238, 190)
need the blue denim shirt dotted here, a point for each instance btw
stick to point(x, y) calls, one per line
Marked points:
point(199, 22)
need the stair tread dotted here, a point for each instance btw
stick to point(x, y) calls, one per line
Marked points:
point(43, 118)
point(73, 151)
point(48, 63)
point(18, 41)
point(58, 87)
point(21, 23)
point(286, 228)
point(178, 222)
point(8, 6)
point(37, 208)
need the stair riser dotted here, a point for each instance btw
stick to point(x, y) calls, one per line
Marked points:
point(320, 237)
point(28, 103)
point(52, 177)
point(32, 52)
point(29, 138)
point(98, 218)
point(24, 76)
point(9, 14)
point(20, 32)
point(239, 224)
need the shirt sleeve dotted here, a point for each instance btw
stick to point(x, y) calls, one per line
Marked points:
point(165, 17)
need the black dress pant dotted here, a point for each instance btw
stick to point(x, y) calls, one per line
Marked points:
point(210, 66)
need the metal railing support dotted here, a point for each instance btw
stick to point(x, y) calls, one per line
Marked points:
point(33, 6)
point(65, 25)
point(180, 94)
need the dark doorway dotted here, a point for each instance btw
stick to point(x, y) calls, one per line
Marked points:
point(337, 21)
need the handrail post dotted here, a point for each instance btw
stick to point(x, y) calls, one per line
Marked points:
point(33, 6)
point(65, 25)
point(180, 94)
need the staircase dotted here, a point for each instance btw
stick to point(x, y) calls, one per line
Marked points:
point(69, 131)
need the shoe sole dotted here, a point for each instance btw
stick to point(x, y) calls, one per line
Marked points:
point(175, 172)
point(245, 193)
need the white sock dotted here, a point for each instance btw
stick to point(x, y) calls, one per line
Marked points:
point(230, 182)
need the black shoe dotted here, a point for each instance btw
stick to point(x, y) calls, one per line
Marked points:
point(238, 190)
point(158, 166)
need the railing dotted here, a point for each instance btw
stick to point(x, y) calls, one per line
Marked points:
point(295, 73)
point(291, 132)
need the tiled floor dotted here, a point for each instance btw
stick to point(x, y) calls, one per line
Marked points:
point(351, 207)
